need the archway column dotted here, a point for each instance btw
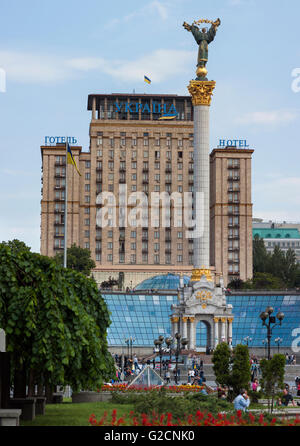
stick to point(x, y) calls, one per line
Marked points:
point(230, 320)
point(216, 321)
point(175, 325)
point(192, 333)
point(223, 329)
point(184, 326)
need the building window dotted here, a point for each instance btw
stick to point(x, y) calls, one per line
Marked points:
point(87, 187)
point(99, 152)
point(87, 234)
point(87, 176)
point(133, 165)
point(156, 234)
point(112, 142)
point(87, 245)
point(156, 258)
point(179, 258)
point(87, 164)
point(87, 222)
point(109, 245)
point(132, 258)
point(86, 210)
point(109, 257)
point(146, 154)
point(179, 234)
point(156, 165)
point(133, 245)
point(179, 166)
point(169, 155)
point(110, 165)
point(133, 177)
point(87, 199)
point(133, 234)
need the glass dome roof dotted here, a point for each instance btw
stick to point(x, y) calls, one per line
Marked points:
point(164, 282)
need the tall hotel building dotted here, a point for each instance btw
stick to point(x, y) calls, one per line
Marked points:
point(131, 146)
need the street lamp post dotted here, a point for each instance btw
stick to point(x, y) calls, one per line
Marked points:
point(180, 343)
point(129, 341)
point(158, 344)
point(248, 340)
point(270, 324)
point(265, 342)
point(278, 342)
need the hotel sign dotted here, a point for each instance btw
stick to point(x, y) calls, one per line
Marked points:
point(237, 143)
point(59, 140)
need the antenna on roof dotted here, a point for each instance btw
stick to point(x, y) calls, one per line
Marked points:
point(133, 92)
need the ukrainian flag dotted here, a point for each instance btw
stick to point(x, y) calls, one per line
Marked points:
point(146, 79)
point(71, 159)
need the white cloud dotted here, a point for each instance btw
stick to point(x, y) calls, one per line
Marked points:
point(272, 117)
point(155, 8)
point(27, 67)
point(158, 65)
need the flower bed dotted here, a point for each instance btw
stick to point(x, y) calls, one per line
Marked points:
point(197, 419)
point(140, 389)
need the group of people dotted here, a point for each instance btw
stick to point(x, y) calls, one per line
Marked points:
point(290, 359)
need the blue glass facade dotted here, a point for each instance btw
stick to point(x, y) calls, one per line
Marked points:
point(145, 316)
point(163, 282)
point(247, 308)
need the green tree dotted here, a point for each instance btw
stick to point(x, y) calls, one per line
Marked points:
point(261, 257)
point(272, 376)
point(240, 371)
point(55, 322)
point(221, 363)
point(266, 281)
point(78, 259)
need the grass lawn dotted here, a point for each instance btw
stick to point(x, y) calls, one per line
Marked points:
point(69, 414)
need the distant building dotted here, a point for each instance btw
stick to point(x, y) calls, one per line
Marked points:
point(284, 235)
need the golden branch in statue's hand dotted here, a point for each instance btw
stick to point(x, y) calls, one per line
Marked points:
point(186, 26)
point(217, 23)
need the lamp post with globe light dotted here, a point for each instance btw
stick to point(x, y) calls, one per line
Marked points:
point(270, 322)
point(278, 341)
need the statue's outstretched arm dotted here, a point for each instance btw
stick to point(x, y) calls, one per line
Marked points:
point(217, 23)
point(187, 26)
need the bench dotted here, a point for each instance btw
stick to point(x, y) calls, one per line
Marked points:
point(10, 417)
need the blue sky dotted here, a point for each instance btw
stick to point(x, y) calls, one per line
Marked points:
point(55, 53)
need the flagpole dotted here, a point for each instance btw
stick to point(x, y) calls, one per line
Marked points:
point(66, 208)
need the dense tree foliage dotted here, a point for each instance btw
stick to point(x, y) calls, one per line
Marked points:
point(232, 367)
point(277, 270)
point(55, 322)
point(272, 372)
point(78, 259)
point(221, 363)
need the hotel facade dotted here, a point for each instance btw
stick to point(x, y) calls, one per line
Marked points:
point(141, 148)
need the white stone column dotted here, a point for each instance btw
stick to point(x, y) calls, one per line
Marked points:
point(223, 329)
point(192, 333)
point(201, 185)
point(230, 320)
point(184, 326)
point(216, 321)
point(175, 325)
